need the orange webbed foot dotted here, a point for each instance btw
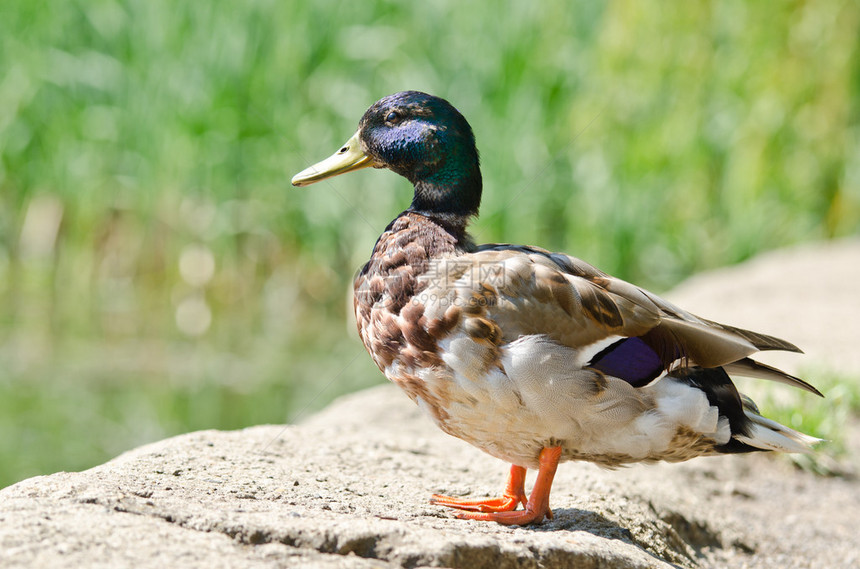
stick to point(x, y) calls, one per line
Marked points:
point(503, 504)
point(513, 495)
point(512, 518)
point(503, 510)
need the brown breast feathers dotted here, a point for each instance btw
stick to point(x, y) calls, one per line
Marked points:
point(390, 317)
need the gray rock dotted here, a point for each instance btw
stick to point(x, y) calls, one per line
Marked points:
point(809, 295)
point(349, 488)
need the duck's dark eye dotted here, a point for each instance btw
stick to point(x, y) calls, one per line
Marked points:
point(393, 117)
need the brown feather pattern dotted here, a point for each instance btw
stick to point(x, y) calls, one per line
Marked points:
point(426, 283)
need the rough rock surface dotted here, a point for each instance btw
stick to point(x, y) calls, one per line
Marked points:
point(349, 487)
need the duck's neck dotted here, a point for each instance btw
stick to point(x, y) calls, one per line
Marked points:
point(452, 224)
point(452, 193)
point(438, 233)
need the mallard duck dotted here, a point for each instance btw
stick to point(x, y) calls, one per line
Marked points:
point(534, 357)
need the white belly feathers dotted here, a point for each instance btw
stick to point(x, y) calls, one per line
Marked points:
point(538, 395)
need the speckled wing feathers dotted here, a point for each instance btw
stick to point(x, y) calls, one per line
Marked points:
point(527, 292)
point(576, 305)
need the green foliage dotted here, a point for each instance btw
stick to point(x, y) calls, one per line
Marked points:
point(825, 418)
point(158, 273)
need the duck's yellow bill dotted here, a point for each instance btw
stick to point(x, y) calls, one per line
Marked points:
point(350, 157)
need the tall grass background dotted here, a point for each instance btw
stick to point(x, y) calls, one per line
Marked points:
point(158, 273)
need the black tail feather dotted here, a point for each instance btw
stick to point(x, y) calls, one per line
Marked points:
point(722, 394)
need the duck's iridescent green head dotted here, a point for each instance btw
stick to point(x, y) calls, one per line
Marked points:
point(421, 137)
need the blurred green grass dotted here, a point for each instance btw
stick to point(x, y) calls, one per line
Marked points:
point(158, 273)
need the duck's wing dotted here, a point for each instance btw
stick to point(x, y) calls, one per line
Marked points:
point(510, 291)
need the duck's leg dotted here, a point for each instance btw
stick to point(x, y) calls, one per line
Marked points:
point(537, 507)
point(513, 495)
